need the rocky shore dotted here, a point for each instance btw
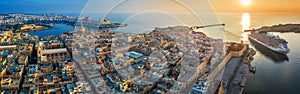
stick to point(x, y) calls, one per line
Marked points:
point(283, 28)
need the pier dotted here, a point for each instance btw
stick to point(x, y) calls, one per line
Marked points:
point(205, 26)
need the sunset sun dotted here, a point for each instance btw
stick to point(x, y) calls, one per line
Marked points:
point(246, 2)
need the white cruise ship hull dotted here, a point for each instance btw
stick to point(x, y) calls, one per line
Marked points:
point(278, 50)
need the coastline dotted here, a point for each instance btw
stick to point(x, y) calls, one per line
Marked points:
point(201, 50)
point(282, 28)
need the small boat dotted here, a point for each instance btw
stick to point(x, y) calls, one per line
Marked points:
point(252, 70)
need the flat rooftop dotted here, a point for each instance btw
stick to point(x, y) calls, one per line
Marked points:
point(8, 47)
point(134, 54)
point(50, 51)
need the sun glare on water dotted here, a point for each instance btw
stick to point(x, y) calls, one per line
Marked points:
point(246, 24)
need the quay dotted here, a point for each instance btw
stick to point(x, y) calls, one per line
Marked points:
point(213, 25)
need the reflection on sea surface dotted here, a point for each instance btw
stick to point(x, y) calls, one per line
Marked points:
point(246, 24)
point(276, 57)
point(246, 21)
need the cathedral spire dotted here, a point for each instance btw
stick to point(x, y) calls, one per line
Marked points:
point(82, 29)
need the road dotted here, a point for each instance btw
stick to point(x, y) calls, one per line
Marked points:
point(86, 78)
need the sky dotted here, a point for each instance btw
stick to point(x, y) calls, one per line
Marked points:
point(257, 6)
point(75, 6)
point(41, 6)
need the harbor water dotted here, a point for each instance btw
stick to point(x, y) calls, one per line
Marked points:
point(276, 73)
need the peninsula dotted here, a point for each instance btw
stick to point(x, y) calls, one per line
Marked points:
point(173, 60)
point(283, 28)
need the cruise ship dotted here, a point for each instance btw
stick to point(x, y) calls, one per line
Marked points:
point(270, 41)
